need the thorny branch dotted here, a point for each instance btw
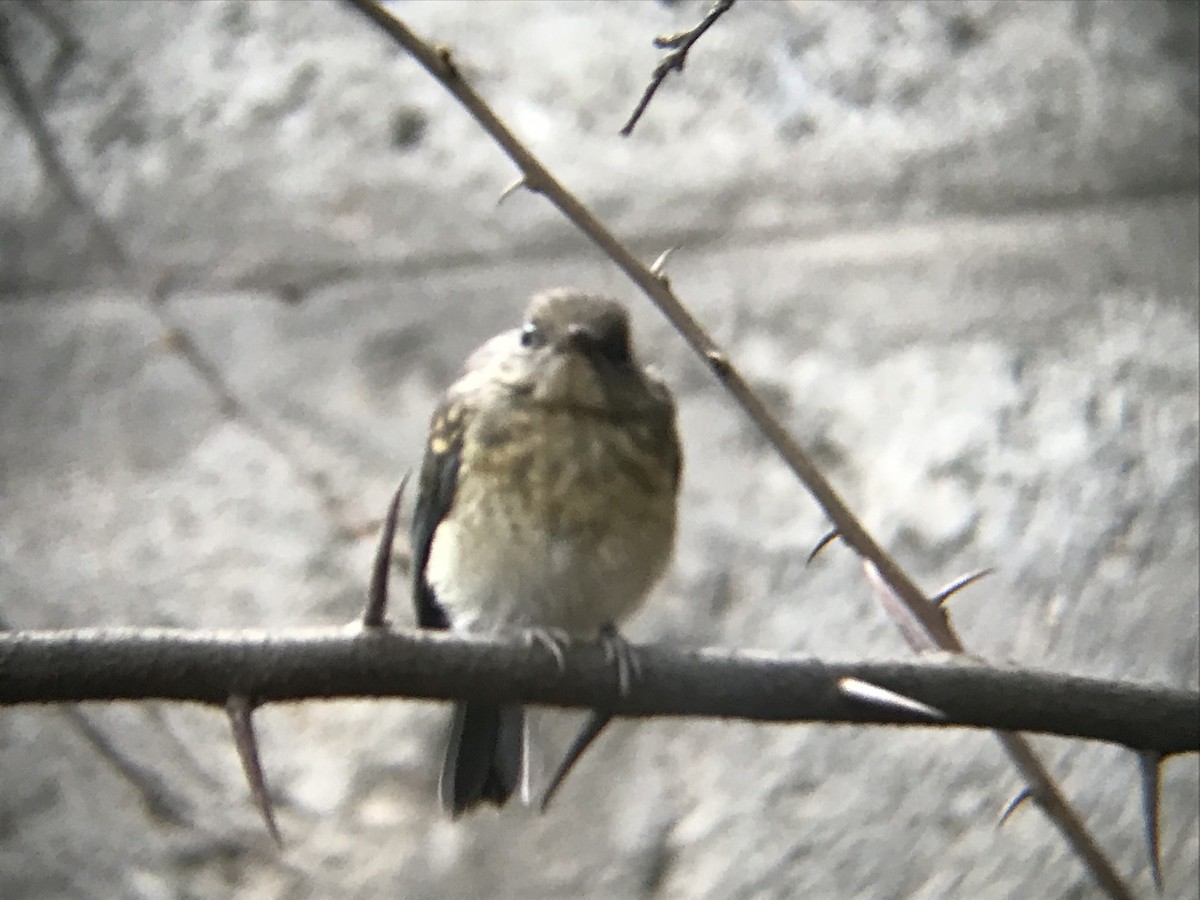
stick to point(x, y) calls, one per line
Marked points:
point(678, 46)
point(931, 619)
point(332, 663)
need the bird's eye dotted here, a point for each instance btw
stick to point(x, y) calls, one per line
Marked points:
point(531, 336)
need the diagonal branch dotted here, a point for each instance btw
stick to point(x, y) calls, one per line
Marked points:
point(305, 664)
point(678, 46)
point(44, 143)
point(931, 620)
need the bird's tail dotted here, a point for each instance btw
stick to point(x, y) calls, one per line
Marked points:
point(483, 756)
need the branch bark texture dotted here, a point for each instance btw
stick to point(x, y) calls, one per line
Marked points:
point(210, 666)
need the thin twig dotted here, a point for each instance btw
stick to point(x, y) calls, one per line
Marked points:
point(678, 45)
point(67, 48)
point(158, 799)
point(932, 621)
point(178, 340)
point(99, 664)
point(47, 150)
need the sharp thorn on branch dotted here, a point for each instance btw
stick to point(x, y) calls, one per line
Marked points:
point(157, 798)
point(446, 58)
point(375, 614)
point(512, 189)
point(661, 262)
point(718, 362)
point(824, 542)
point(239, 710)
point(1150, 763)
point(954, 587)
point(873, 695)
point(595, 724)
point(1026, 793)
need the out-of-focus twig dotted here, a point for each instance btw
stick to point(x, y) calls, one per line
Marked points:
point(67, 48)
point(46, 146)
point(677, 46)
point(158, 799)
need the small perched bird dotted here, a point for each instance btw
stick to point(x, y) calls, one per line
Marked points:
point(546, 504)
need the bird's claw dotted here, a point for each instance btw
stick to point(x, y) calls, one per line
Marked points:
point(619, 652)
point(555, 640)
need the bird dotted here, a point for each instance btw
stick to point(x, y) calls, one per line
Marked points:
point(546, 505)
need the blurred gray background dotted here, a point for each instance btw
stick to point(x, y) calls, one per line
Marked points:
point(955, 244)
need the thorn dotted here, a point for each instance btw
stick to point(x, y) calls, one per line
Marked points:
point(657, 269)
point(158, 799)
point(718, 362)
point(377, 593)
point(1026, 793)
point(239, 710)
point(587, 735)
point(1150, 763)
point(955, 586)
point(822, 544)
point(446, 58)
point(512, 189)
point(874, 695)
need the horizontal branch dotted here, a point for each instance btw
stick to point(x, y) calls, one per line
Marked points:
point(209, 666)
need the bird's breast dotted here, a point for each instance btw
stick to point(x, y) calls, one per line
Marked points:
point(560, 519)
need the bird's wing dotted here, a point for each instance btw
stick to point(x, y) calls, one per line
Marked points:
point(664, 427)
point(439, 479)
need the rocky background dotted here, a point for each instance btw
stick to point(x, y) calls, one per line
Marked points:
point(954, 243)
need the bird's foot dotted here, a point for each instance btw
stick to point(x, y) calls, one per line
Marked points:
point(619, 652)
point(555, 640)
